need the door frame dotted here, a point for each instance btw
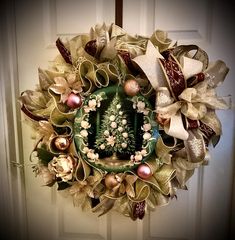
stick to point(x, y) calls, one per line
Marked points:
point(232, 217)
point(12, 200)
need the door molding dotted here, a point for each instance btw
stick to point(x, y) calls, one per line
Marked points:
point(232, 217)
point(12, 201)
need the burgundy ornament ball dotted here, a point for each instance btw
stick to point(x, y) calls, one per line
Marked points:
point(131, 87)
point(91, 47)
point(74, 101)
point(144, 171)
point(62, 143)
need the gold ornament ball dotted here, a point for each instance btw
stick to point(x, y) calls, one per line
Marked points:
point(110, 181)
point(62, 143)
point(131, 87)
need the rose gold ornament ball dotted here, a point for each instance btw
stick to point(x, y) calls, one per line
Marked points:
point(62, 143)
point(110, 181)
point(74, 100)
point(131, 87)
point(144, 171)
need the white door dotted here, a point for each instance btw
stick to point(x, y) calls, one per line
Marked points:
point(202, 212)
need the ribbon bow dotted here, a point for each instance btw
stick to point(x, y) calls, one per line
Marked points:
point(185, 88)
point(185, 100)
point(190, 102)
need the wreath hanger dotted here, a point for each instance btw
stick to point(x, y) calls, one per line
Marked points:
point(119, 12)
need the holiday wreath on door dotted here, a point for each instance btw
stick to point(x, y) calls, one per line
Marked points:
point(123, 121)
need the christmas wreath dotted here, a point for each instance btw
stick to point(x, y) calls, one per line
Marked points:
point(123, 121)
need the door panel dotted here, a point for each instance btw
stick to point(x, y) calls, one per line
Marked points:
point(52, 216)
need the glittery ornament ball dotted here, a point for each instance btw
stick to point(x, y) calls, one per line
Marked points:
point(62, 143)
point(131, 87)
point(74, 101)
point(144, 171)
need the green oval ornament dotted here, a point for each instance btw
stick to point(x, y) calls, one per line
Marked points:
point(114, 132)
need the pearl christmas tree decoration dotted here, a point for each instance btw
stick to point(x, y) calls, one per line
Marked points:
point(115, 133)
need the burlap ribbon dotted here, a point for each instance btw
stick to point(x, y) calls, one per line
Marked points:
point(185, 160)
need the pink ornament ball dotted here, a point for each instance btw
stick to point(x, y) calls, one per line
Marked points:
point(74, 101)
point(131, 87)
point(144, 171)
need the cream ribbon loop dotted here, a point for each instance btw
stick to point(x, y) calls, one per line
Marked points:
point(176, 127)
